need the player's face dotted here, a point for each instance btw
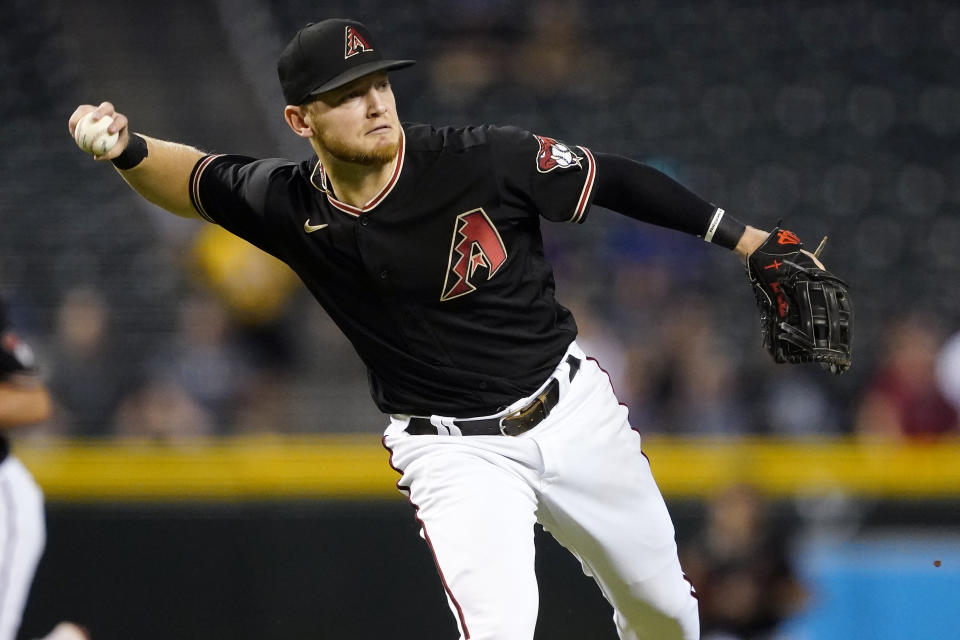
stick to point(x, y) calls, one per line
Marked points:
point(357, 122)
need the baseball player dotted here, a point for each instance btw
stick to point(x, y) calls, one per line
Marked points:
point(423, 245)
point(23, 400)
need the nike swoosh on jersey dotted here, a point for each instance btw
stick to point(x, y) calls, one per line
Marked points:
point(310, 228)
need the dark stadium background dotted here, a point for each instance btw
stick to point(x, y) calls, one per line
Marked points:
point(841, 118)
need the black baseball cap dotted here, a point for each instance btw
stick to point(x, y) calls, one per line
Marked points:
point(329, 54)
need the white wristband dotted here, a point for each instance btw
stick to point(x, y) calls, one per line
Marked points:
point(714, 223)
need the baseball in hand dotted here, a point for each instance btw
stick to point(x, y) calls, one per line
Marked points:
point(92, 137)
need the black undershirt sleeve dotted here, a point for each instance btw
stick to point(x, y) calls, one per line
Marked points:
point(641, 192)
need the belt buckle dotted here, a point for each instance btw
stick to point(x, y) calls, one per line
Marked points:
point(527, 418)
point(531, 415)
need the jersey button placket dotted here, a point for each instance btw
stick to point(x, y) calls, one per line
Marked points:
point(363, 221)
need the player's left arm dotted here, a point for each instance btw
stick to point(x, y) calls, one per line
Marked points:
point(806, 313)
point(749, 241)
point(640, 191)
point(643, 193)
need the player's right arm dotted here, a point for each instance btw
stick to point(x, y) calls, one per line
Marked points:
point(163, 176)
point(23, 404)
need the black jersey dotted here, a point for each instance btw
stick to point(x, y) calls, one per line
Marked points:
point(440, 281)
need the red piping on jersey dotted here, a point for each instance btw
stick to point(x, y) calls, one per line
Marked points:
point(587, 187)
point(423, 527)
point(377, 199)
point(195, 186)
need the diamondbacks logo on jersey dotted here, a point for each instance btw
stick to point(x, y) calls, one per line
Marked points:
point(555, 155)
point(476, 244)
point(354, 43)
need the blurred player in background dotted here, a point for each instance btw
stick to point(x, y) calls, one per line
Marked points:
point(742, 568)
point(24, 400)
point(423, 244)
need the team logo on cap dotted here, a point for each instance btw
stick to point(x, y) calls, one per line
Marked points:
point(354, 43)
point(555, 155)
point(476, 245)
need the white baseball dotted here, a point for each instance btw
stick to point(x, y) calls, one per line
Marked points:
point(92, 137)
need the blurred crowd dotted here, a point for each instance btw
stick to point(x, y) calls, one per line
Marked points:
point(840, 119)
point(224, 372)
point(740, 563)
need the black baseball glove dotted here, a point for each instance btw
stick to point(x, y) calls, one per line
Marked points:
point(805, 312)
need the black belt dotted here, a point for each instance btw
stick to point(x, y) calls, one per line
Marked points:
point(512, 424)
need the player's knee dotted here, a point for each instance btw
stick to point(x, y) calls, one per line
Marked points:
point(505, 626)
point(642, 620)
point(504, 629)
point(662, 608)
point(499, 618)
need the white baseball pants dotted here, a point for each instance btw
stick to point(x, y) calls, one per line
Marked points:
point(22, 538)
point(582, 475)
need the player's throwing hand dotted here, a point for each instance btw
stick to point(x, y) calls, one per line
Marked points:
point(117, 126)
